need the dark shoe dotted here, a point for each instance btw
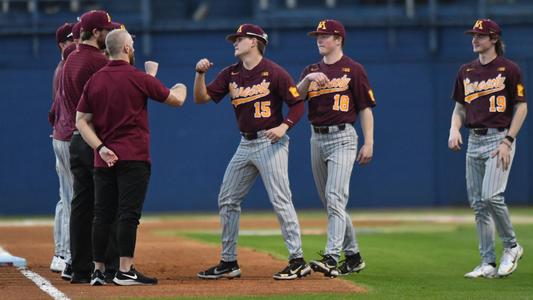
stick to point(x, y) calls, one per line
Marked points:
point(98, 278)
point(109, 275)
point(67, 272)
point(297, 268)
point(80, 277)
point(352, 264)
point(133, 277)
point(228, 270)
point(327, 265)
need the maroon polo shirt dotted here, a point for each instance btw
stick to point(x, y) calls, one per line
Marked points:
point(347, 92)
point(116, 96)
point(61, 130)
point(489, 92)
point(257, 95)
point(79, 67)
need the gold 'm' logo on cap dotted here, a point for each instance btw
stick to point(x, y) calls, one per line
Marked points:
point(321, 25)
point(479, 24)
point(240, 29)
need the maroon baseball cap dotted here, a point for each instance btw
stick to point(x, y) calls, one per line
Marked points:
point(485, 26)
point(248, 30)
point(96, 19)
point(329, 27)
point(63, 33)
point(75, 34)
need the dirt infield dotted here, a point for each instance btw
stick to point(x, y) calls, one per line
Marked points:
point(173, 260)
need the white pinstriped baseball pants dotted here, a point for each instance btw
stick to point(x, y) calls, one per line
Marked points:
point(252, 158)
point(62, 212)
point(485, 186)
point(332, 157)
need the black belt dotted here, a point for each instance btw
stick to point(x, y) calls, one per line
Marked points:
point(325, 129)
point(249, 135)
point(484, 131)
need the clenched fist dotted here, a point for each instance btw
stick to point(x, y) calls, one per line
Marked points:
point(203, 65)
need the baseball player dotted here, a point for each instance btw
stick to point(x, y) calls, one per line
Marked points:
point(79, 67)
point(113, 118)
point(60, 143)
point(490, 101)
point(257, 88)
point(337, 90)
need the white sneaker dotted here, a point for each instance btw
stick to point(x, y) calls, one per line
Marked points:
point(483, 270)
point(509, 260)
point(57, 265)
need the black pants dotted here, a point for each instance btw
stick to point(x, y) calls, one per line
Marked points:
point(120, 191)
point(81, 216)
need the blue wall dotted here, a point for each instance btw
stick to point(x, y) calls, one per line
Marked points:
point(192, 146)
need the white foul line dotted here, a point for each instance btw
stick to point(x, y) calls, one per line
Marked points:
point(44, 284)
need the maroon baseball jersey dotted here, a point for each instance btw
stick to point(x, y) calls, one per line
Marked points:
point(489, 92)
point(116, 96)
point(347, 92)
point(79, 67)
point(257, 95)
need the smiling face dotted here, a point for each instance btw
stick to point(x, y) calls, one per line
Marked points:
point(482, 43)
point(327, 43)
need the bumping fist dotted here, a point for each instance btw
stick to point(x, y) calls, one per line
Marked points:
point(203, 65)
point(151, 67)
point(318, 77)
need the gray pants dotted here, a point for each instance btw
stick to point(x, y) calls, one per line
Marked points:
point(62, 213)
point(332, 156)
point(252, 158)
point(486, 185)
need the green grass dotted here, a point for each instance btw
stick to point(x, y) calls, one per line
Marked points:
point(412, 265)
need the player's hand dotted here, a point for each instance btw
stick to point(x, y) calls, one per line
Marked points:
point(365, 154)
point(203, 65)
point(276, 133)
point(108, 156)
point(151, 67)
point(319, 77)
point(455, 140)
point(503, 154)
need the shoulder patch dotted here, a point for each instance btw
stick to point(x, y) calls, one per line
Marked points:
point(520, 90)
point(294, 92)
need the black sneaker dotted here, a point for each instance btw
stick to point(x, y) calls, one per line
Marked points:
point(133, 277)
point(98, 278)
point(109, 275)
point(352, 264)
point(327, 265)
point(80, 277)
point(67, 272)
point(297, 268)
point(228, 270)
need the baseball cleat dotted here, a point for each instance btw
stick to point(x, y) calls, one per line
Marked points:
point(98, 278)
point(484, 270)
point(297, 268)
point(67, 272)
point(509, 260)
point(57, 265)
point(224, 269)
point(132, 277)
point(327, 265)
point(351, 264)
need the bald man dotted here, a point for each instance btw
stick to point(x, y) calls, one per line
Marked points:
point(112, 118)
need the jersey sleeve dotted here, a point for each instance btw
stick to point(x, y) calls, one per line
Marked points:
point(458, 93)
point(219, 87)
point(84, 105)
point(286, 88)
point(154, 88)
point(516, 85)
point(361, 89)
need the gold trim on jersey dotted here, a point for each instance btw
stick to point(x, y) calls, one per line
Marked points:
point(335, 85)
point(241, 95)
point(476, 89)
